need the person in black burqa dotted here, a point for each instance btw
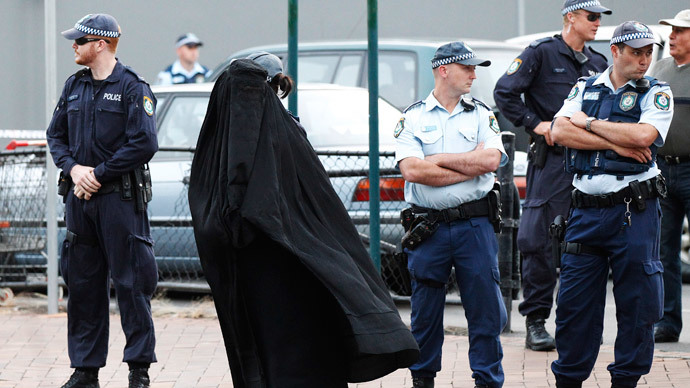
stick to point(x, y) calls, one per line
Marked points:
point(299, 301)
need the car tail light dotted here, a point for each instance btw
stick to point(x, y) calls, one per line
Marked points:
point(25, 143)
point(390, 189)
point(521, 183)
point(4, 224)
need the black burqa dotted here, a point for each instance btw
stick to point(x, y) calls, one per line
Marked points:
point(255, 179)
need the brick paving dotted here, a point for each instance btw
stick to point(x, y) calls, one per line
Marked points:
point(33, 353)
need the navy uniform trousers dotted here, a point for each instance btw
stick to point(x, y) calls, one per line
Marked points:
point(470, 246)
point(637, 289)
point(112, 239)
point(548, 195)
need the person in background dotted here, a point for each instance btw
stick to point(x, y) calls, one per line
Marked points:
point(674, 163)
point(186, 69)
point(544, 73)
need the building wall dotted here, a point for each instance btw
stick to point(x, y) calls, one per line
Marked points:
point(150, 29)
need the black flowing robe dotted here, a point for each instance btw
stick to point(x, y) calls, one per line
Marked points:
point(254, 172)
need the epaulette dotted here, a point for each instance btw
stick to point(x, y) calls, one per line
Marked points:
point(82, 72)
point(540, 41)
point(129, 69)
point(412, 105)
point(480, 103)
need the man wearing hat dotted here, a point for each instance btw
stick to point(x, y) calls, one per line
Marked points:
point(612, 125)
point(102, 134)
point(186, 69)
point(544, 73)
point(674, 163)
point(447, 147)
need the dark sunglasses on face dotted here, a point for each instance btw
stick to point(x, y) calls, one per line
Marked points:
point(593, 17)
point(83, 41)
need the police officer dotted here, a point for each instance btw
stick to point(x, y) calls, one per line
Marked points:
point(674, 163)
point(186, 69)
point(612, 124)
point(544, 73)
point(102, 130)
point(447, 147)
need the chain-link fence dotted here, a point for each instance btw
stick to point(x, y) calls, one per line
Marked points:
point(22, 216)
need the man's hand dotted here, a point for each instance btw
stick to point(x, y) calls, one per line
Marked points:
point(85, 182)
point(579, 119)
point(544, 129)
point(641, 154)
point(436, 158)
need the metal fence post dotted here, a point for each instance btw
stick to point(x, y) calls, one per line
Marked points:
point(51, 170)
point(293, 18)
point(505, 238)
point(374, 194)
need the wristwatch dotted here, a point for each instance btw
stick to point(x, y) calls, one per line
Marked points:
point(588, 123)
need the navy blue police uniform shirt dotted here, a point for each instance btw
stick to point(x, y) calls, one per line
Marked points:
point(111, 127)
point(545, 72)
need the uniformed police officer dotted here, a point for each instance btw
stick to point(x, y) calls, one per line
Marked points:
point(447, 147)
point(612, 125)
point(544, 73)
point(186, 69)
point(674, 163)
point(103, 129)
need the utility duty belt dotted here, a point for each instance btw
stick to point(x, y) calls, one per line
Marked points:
point(135, 185)
point(637, 192)
point(420, 223)
point(673, 160)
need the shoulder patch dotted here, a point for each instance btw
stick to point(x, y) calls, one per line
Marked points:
point(493, 124)
point(540, 41)
point(662, 101)
point(148, 105)
point(573, 92)
point(514, 66)
point(399, 127)
point(414, 104)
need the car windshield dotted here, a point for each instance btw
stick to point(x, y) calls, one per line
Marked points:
point(333, 118)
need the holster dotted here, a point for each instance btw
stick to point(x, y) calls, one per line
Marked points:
point(419, 229)
point(557, 233)
point(537, 150)
point(142, 187)
point(637, 196)
point(64, 185)
point(494, 198)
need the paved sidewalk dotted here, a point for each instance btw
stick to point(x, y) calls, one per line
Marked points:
point(33, 353)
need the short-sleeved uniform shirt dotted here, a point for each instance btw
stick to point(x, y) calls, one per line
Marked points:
point(656, 115)
point(426, 128)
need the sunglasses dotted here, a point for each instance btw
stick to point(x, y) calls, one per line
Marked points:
point(593, 17)
point(83, 41)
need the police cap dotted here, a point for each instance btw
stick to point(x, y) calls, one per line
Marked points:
point(457, 52)
point(99, 24)
point(188, 39)
point(587, 5)
point(633, 34)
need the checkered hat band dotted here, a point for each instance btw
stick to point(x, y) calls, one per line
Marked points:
point(93, 31)
point(627, 37)
point(577, 6)
point(453, 59)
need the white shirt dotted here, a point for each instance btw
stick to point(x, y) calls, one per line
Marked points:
point(651, 114)
point(427, 129)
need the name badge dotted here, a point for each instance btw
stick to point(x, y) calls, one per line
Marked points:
point(429, 128)
point(591, 96)
point(72, 97)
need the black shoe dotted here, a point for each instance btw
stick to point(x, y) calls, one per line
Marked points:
point(82, 379)
point(663, 334)
point(422, 382)
point(139, 378)
point(537, 337)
